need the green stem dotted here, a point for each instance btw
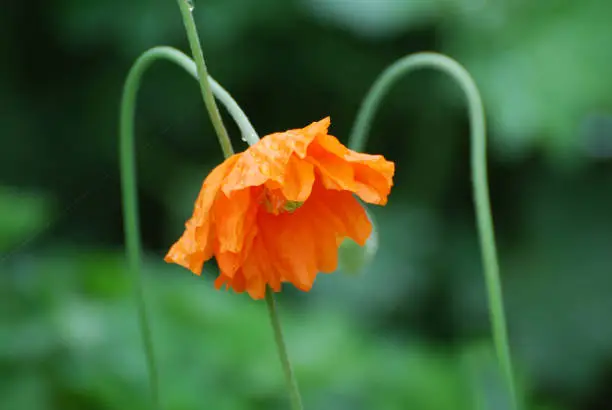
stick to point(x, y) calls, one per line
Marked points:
point(251, 138)
point(181, 59)
point(358, 140)
point(207, 95)
point(130, 202)
point(128, 180)
point(131, 220)
point(292, 387)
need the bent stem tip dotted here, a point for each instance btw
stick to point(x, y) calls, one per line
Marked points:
point(358, 139)
point(129, 183)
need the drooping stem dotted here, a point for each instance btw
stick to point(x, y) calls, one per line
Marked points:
point(207, 95)
point(130, 202)
point(482, 205)
point(292, 387)
point(131, 221)
point(128, 182)
point(182, 60)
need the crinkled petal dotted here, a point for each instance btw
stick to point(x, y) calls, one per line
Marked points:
point(229, 262)
point(374, 180)
point(290, 246)
point(298, 245)
point(234, 218)
point(259, 271)
point(256, 272)
point(267, 160)
point(237, 282)
point(196, 244)
point(334, 172)
point(298, 179)
point(189, 251)
point(279, 211)
point(343, 213)
point(368, 176)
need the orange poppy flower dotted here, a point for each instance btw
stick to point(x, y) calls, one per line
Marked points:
point(278, 211)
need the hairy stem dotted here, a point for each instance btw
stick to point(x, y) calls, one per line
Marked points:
point(292, 387)
point(358, 140)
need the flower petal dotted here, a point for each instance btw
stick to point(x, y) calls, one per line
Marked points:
point(269, 157)
point(374, 179)
point(234, 218)
point(290, 246)
point(259, 271)
point(298, 179)
point(298, 245)
point(229, 262)
point(341, 211)
point(188, 251)
point(334, 171)
point(368, 176)
point(196, 244)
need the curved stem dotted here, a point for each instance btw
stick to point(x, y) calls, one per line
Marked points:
point(292, 387)
point(128, 180)
point(181, 59)
point(248, 132)
point(358, 140)
point(131, 221)
point(130, 203)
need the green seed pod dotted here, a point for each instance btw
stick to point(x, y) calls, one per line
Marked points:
point(354, 259)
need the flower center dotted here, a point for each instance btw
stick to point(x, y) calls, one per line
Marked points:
point(275, 203)
point(291, 206)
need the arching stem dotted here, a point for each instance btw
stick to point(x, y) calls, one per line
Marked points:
point(130, 205)
point(358, 141)
point(127, 155)
point(208, 86)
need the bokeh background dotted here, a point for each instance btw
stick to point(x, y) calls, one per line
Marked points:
point(410, 331)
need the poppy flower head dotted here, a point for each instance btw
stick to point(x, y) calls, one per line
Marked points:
point(278, 211)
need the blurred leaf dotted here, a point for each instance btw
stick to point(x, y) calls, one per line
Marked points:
point(375, 18)
point(541, 68)
point(22, 214)
point(216, 348)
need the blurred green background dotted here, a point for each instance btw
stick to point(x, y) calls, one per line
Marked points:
point(410, 332)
